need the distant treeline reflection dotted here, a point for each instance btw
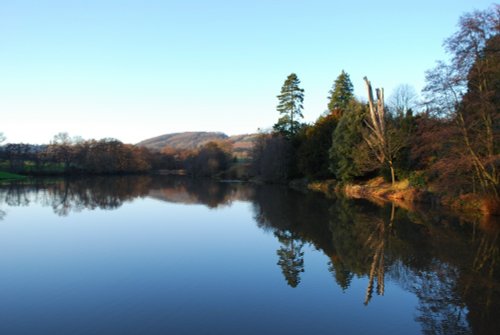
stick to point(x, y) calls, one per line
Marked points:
point(77, 194)
point(450, 264)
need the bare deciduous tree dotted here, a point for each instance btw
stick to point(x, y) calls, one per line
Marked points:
point(466, 92)
point(403, 99)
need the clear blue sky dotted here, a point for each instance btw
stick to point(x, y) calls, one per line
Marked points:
point(133, 69)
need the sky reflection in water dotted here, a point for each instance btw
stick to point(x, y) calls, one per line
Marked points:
point(147, 255)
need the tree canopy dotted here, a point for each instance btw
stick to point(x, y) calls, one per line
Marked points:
point(341, 94)
point(290, 106)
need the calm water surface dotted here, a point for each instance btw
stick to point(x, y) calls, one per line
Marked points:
point(143, 255)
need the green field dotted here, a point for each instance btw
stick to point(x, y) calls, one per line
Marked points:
point(30, 167)
point(10, 176)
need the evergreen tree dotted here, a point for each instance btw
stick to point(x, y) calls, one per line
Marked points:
point(346, 141)
point(341, 94)
point(290, 106)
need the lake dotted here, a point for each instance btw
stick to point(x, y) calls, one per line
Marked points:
point(162, 255)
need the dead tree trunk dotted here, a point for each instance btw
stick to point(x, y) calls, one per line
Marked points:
point(377, 138)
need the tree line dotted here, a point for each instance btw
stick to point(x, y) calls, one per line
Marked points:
point(449, 140)
point(74, 155)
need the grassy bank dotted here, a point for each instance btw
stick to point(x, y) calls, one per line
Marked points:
point(10, 176)
point(406, 196)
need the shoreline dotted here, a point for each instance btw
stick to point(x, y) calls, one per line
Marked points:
point(376, 190)
point(405, 196)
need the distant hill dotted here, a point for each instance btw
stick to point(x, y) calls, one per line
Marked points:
point(186, 140)
point(242, 144)
point(188, 191)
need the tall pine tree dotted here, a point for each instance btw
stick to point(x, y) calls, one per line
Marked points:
point(290, 107)
point(341, 94)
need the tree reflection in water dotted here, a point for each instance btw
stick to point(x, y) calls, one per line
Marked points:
point(74, 195)
point(108, 193)
point(291, 256)
point(451, 265)
point(376, 242)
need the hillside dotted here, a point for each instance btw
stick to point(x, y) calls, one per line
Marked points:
point(186, 140)
point(241, 144)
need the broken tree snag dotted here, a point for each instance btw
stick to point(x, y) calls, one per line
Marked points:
point(377, 137)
